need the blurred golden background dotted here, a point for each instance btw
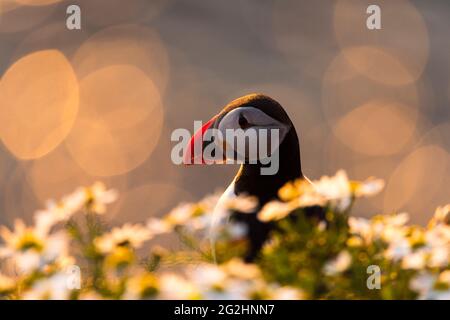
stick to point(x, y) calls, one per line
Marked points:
point(100, 103)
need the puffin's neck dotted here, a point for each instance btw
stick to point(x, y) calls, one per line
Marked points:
point(265, 187)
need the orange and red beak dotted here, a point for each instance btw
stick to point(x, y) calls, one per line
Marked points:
point(195, 147)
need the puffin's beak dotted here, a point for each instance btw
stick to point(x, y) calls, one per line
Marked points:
point(196, 145)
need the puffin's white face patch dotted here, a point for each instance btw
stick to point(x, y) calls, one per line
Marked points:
point(244, 135)
point(247, 134)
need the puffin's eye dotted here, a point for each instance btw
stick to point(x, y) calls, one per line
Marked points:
point(243, 122)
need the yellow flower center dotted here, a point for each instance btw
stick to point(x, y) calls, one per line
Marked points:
point(29, 241)
point(120, 257)
point(148, 286)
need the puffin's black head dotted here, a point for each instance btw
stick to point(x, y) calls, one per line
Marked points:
point(254, 116)
point(257, 112)
point(262, 103)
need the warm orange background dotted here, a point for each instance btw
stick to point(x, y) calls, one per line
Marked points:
point(101, 103)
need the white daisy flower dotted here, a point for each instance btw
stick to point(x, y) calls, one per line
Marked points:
point(287, 293)
point(439, 257)
point(54, 287)
point(174, 287)
point(32, 248)
point(415, 260)
point(339, 264)
point(181, 214)
point(399, 249)
point(239, 269)
point(361, 227)
point(60, 211)
point(158, 226)
point(128, 235)
point(207, 276)
point(335, 189)
point(275, 210)
point(439, 235)
point(422, 284)
point(370, 187)
point(309, 200)
point(244, 204)
point(441, 216)
point(97, 197)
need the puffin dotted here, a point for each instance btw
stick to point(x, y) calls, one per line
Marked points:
point(257, 112)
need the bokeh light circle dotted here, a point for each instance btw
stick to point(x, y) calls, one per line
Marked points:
point(51, 36)
point(397, 53)
point(377, 127)
point(39, 95)
point(418, 181)
point(366, 115)
point(119, 123)
point(124, 44)
point(15, 17)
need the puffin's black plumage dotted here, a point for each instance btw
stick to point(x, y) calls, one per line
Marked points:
point(249, 180)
